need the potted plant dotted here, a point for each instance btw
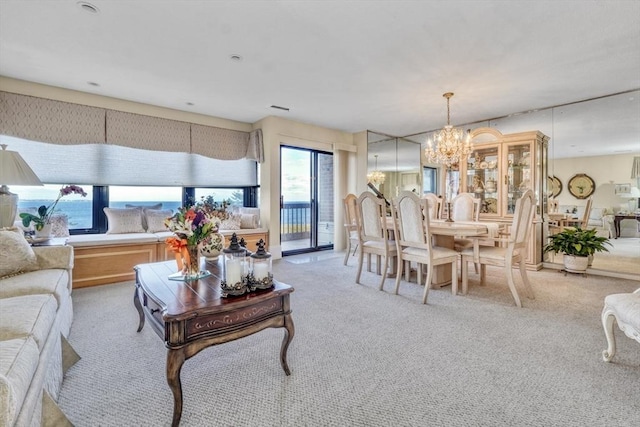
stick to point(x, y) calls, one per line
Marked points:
point(42, 221)
point(577, 245)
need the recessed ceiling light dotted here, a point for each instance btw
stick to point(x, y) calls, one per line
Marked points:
point(88, 7)
point(235, 57)
point(93, 84)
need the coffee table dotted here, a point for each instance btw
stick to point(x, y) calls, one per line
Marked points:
point(191, 316)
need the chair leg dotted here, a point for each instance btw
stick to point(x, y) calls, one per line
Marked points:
point(454, 277)
point(483, 274)
point(475, 264)
point(607, 323)
point(400, 264)
point(360, 262)
point(512, 284)
point(369, 263)
point(348, 252)
point(384, 271)
point(427, 283)
point(525, 280)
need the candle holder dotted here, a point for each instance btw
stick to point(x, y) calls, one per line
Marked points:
point(449, 219)
point(235, 269)
point(261, 276)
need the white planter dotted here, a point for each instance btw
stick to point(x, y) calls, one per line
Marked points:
point(575, 264)
point(44, 232)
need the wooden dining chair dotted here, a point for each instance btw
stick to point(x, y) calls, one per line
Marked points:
point(435, 206)
point(350, 225)
point(373, 234)
point(512, 252)
point(465, 207)
point(414, 242)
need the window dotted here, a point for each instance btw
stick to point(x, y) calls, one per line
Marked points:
point(429, 180)
point(234, 195)
point(78, 209)
point(169, 197)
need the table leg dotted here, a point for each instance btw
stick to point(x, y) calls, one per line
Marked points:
point(288, 336)
point(175, 360)
point(138, 306)
point(616, 226)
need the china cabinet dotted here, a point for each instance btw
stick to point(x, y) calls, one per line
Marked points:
point(499, 170)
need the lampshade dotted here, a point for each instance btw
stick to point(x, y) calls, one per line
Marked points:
point(13, 170)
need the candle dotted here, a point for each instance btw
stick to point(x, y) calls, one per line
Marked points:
point(233, 271)
point(260, 271)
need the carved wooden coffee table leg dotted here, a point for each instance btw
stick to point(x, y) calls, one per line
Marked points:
point(136, 303)
point(175, 360)
point(288, 336)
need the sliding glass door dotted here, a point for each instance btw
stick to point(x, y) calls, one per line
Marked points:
point(306, 200)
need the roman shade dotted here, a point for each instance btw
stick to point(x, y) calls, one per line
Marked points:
point(64, 123)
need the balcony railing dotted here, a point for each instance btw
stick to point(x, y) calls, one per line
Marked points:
point(295, 221)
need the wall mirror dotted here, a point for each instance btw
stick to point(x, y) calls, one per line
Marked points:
point(399, 160)
point(598, 137)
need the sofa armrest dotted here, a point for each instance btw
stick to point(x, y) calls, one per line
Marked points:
point(54, 257)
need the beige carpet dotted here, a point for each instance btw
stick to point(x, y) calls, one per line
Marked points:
point(361, 357)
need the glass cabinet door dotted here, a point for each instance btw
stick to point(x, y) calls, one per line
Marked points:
point(483, 178)
point(518, 177)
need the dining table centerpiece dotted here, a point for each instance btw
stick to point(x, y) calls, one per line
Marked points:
point(191, 225)
point(42, 221)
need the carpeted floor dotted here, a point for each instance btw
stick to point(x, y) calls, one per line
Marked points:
point(361, 357)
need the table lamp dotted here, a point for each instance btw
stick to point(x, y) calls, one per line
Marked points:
point(13, 171)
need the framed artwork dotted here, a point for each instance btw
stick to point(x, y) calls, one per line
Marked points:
point(623, 188)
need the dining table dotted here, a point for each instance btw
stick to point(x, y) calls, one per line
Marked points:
point(444, 234)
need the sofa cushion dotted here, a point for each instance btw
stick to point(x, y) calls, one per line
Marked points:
point(121, 221)
point(154, 219)
point(30, 315)
point(16, 255)
point(50, 281)
point(18, 364)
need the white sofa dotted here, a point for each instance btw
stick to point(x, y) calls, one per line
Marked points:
point(35, 318)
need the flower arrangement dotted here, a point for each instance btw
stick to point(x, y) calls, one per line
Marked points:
point(45, 212)
point(192, 224)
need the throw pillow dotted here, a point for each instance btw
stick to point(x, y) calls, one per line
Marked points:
point(232, 223)
point(155, 219)
point(157, 206)
point(16, 255)
point(124, 220)
point(249, 221)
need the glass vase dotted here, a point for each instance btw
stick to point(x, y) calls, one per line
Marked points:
point(192, 262)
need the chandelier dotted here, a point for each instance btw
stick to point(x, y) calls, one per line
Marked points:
point(451, 145)
point(376, 177)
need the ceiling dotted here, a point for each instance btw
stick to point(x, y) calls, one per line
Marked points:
point(346, 65)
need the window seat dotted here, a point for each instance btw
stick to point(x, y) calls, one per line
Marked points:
point(101, 259)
